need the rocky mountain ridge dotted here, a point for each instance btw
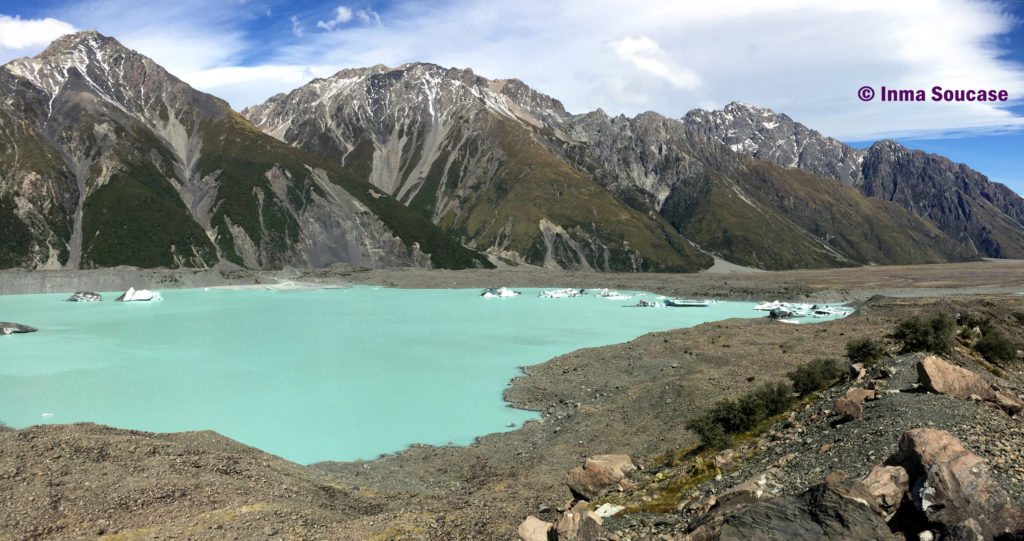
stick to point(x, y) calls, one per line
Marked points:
point(108, 159)
point(462, 150)
point(111, 160)
point(986, 217)
point(444, 141)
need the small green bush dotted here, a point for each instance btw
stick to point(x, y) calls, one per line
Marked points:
point(817, 375)
point(972, 320)
point(711, 434)
point(996, 348)
point(730, 417)
point(864, 350)
point(1019, 316)
point(934, 335)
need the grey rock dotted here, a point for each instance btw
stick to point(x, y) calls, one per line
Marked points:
point(951, 485)
point(15, 328)
point(832, 510)
point(85, 296)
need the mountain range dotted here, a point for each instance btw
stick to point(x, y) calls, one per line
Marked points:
point(107, 159)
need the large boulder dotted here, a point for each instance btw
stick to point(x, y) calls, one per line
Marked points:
point(761, 486)
point(535, 529)
point(887, 485)
point(598, 474)
point(579, 524)
point(1008, 401)
point(859, 394)
point(858, 372)
point(952, 485)
point(836, 509)
point(15, 328)
point(847, 410)
point(940, 376)
point(968, 530)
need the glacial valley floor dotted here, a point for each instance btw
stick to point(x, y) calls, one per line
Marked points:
point(87, 481)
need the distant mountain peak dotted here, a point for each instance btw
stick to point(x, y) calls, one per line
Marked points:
point(742, 106)
point(88, 52)
point(434, 93)
point(90, 39)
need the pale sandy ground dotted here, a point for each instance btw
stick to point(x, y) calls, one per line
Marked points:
point(834, 285)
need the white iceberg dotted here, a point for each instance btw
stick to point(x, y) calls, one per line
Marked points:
point(134, 295)
point(498, 292)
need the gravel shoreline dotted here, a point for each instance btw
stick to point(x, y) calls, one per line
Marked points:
point(824, 285)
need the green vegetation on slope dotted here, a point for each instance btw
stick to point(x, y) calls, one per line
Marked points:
point(16, 239)
point(865, 350)
point(29, 154)
point(754, 411)
point(411, 226)
point(243, 154)
point(242, 157)
point(710, 210)
point(532, 184)
point(138, 219)
point(933, 335)
point(728, 418)
point(758, 214)
point(865, 229)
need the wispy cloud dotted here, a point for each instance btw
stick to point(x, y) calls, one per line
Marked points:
point(647, 56)
point(19, 35)
point(297, 27)
point(368, 16)
point(342, 15)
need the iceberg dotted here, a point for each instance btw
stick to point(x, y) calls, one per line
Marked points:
point(133, 295)
point(498, 292)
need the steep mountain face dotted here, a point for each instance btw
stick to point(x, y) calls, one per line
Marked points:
point(107, 159)
point(508, 170)
point(749, 211)
point(472, 155)
point(986, 217)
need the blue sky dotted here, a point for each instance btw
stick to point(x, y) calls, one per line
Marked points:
point(806, 58)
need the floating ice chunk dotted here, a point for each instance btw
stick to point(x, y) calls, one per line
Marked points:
point(134, 295)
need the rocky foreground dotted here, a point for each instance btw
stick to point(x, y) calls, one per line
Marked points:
point(827, 471)
point(631, 400)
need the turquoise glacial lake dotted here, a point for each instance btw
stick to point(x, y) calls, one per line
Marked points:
point(307, 374)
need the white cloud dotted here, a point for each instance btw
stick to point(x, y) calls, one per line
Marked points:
point(366, 16)
point(242, 86)
point(297, 27)
point(183, 36)
point(803, 57)
point(645, 54)
point(342, 15)
point(18, 36)
point(806, 58)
